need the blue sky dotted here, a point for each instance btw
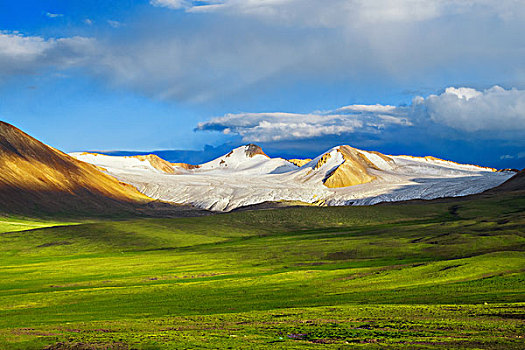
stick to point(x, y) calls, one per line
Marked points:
point(441, 77)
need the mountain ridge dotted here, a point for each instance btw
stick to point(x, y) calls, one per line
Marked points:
point(343, 175)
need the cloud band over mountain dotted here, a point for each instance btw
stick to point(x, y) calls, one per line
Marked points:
point(466, 109)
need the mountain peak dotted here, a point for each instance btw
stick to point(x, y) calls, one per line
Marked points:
point(250, 150)
point(354, 170)
point(247, 158)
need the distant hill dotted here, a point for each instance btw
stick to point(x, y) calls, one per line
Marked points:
point(38, 179)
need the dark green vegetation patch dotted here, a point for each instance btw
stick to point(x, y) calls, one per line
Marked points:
point(418, 276)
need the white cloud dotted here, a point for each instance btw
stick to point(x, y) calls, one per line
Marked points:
point(54, 15)
point(519, 155)
point(266, 127)
point(114, 24)
point(494, 109)
point(234, 46)
point(367, 108)
point(193, 66)
point(20, 54)
point(15, 45)
point(350, 12)
point(88, 21)
point(463, 92)
point(171, 4)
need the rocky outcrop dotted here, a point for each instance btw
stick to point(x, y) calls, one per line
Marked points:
point(186, 166)
point(299, 162)
point(322, 160)
point(252, 150)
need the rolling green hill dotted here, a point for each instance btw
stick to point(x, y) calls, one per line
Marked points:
point(416, 275)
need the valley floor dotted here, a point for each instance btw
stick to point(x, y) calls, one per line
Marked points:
point(436, 275)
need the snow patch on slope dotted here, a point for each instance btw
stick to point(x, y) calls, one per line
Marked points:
point(114, 164)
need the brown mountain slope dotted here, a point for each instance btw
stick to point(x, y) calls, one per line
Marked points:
point(252, 150)
point(36, 178)
point(514, 184)
point(158, 163)
point(186, 166)
point(299, 162)
point(354, 170)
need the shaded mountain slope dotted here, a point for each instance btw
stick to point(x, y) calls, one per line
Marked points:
point(514, 184)
point(299, 162)
point(38, 179)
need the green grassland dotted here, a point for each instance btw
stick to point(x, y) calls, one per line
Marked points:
point(17, 223)
point(409, 276)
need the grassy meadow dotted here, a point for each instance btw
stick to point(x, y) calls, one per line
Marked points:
point(431, 275)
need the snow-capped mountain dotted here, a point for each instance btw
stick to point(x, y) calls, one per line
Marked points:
point(248, 160)
point(341, 176)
